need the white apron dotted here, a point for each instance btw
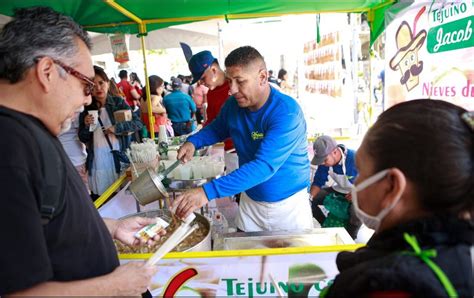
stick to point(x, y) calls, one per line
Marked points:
point(342, 184)
point(292, 213)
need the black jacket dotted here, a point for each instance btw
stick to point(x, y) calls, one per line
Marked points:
point(384, 265)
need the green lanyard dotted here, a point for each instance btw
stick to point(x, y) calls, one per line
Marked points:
point(425, 256)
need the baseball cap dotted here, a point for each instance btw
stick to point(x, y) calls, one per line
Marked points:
point(176, 83)
point(322, 147)
point(199, 63)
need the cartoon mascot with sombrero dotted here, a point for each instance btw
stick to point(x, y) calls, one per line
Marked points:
point(406, 59)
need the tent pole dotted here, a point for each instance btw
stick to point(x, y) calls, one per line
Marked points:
point(151, 119)
point(142, 30)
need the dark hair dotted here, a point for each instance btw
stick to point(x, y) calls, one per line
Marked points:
point(123, 74)
point(37, 32)
point(281, 74)
point(134, 77)
point(155, 83)
point(113, 88)
point(243, 56)
point(430, 143)
point(99, 71)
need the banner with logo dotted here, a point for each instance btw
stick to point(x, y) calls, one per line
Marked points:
point(429, 52)
point(119, 48)
point(301, 274)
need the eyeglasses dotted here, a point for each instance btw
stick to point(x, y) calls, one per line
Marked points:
point(89, 83)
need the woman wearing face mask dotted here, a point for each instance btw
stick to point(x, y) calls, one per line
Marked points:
point(416, 190)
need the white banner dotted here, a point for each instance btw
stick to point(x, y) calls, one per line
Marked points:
point(430, 53)
point(303, 275)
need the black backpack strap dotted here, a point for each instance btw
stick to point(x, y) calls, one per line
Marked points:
point(51, 201)
point(54, 169)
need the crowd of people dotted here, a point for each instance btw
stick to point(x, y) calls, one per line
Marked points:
point(56, 102)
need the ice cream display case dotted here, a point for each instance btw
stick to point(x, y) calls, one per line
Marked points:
point(259, 264)
point(283, 239)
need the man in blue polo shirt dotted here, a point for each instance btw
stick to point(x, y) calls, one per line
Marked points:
point(180, 108)
point(269, 134)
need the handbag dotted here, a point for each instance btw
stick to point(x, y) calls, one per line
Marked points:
point(118, 156)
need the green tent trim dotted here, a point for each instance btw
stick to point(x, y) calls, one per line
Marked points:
point(99, 16)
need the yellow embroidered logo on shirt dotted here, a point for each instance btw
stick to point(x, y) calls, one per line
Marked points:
point(257, 135)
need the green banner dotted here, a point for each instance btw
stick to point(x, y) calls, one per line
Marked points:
point(451, 36)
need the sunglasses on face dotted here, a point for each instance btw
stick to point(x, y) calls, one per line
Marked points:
point(89, 84)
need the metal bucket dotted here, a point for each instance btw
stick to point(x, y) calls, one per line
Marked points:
point(148, 188)
point(203, 245)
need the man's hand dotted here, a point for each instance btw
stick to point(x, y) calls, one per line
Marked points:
point(349, 197)
point(189, 201)
point(126, 229)
point(132, 279)
point(110, 130)
point(314, 191)
point(186, 152)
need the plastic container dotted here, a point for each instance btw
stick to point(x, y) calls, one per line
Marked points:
point(219, 225)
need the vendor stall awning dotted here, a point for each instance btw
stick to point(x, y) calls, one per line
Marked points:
point(99, 16)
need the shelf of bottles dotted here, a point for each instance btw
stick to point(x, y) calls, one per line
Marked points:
point(323, 65)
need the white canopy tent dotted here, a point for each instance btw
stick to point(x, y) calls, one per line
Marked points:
point(194, 36)
point(158, 39)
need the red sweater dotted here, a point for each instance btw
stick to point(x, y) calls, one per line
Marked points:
point(215, 100)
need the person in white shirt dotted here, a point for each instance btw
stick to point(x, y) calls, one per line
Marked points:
point(75, 150)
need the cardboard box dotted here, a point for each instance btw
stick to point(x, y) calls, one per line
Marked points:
point(123, 115)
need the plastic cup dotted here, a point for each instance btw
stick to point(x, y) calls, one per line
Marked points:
point(176, 174)
point(185, 172)
point(162, 135)
point(95, 114)
point(207, 170)
point(172, 155)
point(197, 171)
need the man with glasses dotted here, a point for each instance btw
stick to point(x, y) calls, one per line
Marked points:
point(45, 78)
point(269, 133)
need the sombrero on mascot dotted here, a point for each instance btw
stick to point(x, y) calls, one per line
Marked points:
point(406, 43)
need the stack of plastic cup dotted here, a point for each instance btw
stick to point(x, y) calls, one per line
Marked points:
point(197, 170)
point(185, 172)
point(162, 135)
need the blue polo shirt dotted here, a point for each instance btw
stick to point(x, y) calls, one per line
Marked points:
point(179, 106)
point(271, 145)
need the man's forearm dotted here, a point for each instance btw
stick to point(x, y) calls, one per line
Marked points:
point(111, 225)
point(314, 190)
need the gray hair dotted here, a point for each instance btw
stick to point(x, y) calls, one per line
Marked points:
point(37, 32)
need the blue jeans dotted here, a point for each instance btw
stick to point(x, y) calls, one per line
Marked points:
point(181, 128)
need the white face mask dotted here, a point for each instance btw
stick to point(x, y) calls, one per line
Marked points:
point(372, 222)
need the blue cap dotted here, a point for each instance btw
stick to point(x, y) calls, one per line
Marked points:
point(199, 63)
